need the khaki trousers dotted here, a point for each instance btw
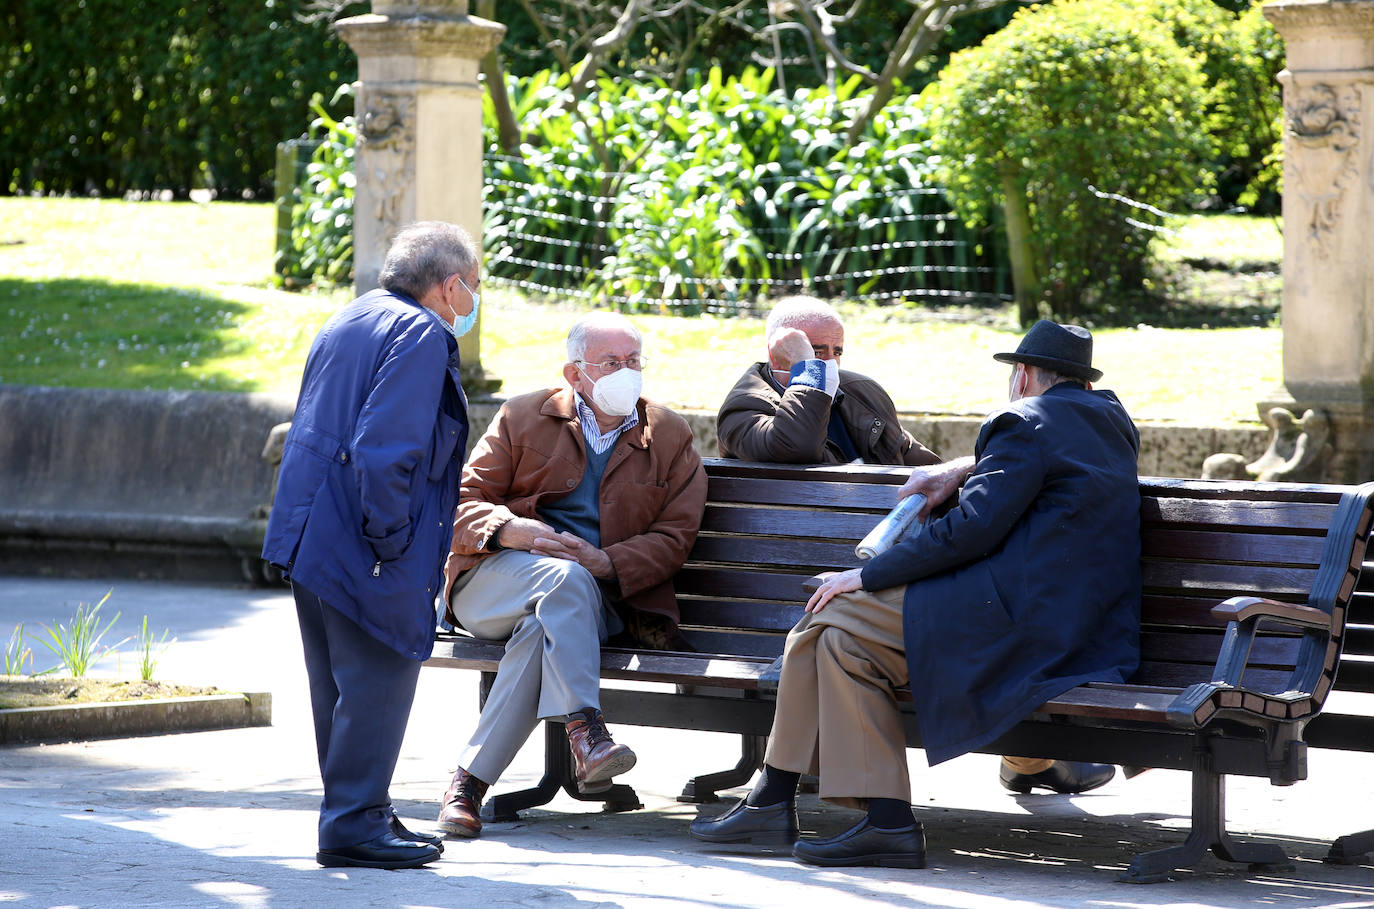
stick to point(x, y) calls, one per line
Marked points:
point(837, 715)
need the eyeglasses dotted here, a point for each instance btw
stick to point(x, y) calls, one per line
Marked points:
point(635, 362)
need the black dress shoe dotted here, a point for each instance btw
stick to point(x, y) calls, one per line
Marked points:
point(1064, 777)
point(385, 851)
point(866, 845)
point(404, 833)
point(771, 825)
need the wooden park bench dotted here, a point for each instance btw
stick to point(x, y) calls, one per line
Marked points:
point(1249, 598)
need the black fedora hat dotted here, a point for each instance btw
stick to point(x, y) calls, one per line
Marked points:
point(1065, 349)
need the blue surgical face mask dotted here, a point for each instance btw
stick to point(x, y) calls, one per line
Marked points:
point(463, 324)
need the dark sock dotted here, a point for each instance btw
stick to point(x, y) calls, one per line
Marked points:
point(889, 814)
point(774, 786)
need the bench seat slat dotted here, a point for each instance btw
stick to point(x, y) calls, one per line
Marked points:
point(724, 671)
point(1135, 703)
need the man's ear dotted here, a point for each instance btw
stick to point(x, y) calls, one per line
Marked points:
point(570, 373)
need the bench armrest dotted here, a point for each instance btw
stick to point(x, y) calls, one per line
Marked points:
point(1226, 695)
point(813, 583)
point(1243, 609)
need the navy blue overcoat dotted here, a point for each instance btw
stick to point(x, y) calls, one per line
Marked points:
point(363, 515)
point(1030, 585)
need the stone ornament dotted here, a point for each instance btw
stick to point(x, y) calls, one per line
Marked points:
point(1325, 121)
point(386, 144)
point(1298, 451)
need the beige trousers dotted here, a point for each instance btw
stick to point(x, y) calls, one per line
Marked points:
point(837, 715)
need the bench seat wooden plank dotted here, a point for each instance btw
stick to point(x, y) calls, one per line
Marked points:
point(723, 671)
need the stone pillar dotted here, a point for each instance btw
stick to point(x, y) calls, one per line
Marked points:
point(1328, 224)
point(419, 154)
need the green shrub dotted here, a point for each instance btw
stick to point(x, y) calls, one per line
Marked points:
point(713, 197)
point(321, 246)
point(108, 97)
point(1071, 119)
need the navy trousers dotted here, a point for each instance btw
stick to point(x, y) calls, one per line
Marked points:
point(360, 693)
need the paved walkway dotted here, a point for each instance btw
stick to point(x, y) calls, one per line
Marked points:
point(227, 818)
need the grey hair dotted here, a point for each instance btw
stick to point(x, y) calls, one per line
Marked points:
point(795, 312)
point(592, 322)
point(424, 254)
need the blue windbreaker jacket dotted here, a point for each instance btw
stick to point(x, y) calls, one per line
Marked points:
point(363, 513)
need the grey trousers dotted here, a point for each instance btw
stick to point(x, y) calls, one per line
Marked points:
point(553, 618)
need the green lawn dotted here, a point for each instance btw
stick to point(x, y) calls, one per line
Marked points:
point(99, 293)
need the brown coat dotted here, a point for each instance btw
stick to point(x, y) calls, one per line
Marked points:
point(759, 423)
point(652, 493)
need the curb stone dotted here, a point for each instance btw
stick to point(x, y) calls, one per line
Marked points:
point(151, 716)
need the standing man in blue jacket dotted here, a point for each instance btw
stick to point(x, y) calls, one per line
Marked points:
point(1027, 587)
point(362, 521)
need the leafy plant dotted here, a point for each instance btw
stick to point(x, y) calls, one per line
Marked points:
point(1080, 125)
point(150, 648)
point(16, 654)
point(322, 216)
point(78, 645)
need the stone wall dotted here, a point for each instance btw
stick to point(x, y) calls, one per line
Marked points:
point(1166, 449)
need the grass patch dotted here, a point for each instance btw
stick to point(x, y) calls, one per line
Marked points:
point(166, 295)
point(20, 691)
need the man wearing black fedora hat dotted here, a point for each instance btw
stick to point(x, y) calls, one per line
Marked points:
point(1026, 587)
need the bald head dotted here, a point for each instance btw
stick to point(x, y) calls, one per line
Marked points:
point(815, 319)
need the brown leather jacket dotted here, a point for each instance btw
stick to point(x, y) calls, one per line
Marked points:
point(759, 423)
point(652, 493)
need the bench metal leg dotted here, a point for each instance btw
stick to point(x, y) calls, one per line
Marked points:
point(1208, 832)
point(1349, 850)
point(701, 790)
point(558, 774)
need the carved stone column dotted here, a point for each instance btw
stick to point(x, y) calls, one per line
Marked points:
point(419, 152)
point(1328, 220)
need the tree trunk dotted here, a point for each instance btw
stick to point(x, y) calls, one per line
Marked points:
point(508, 133)
point(1020, 246)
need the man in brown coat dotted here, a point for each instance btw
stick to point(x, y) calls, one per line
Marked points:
point(799, 407)
point(578, 506)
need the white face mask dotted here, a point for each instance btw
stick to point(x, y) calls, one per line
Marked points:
point(617, 393)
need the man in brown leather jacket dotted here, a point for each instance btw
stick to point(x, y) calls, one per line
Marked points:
point(799, 407)
point(578, 506)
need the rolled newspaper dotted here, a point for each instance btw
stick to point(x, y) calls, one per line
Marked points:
point(892, 527)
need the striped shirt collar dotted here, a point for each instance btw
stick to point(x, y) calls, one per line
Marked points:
point(598, 441)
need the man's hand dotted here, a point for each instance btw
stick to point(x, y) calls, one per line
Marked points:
point(574, 549)
point(788, 347)
point(833, 586)
point(520, 533)
point(937, 482)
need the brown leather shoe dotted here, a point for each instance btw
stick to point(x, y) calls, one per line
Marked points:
point(596, 758)
point(460, 814)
